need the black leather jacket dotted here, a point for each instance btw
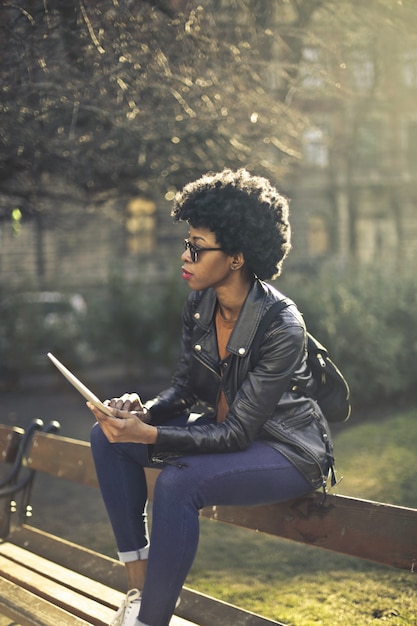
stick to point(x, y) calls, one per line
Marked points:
point(262, 405)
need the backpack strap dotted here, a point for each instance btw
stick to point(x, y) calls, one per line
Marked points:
point(271, 314)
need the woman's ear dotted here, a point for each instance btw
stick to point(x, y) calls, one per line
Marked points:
point(238, 261)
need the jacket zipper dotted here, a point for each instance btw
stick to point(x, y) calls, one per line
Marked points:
point(206, 365)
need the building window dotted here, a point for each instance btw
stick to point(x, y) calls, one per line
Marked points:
point(376, 239)
point(409, 68)
point(369, 145)
point(315, 147)
point(412, 145)
point(318, 236)
point(362, 70)
point(313, 71)
point(140, 225)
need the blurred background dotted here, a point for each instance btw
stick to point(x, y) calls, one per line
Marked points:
point(106, 110)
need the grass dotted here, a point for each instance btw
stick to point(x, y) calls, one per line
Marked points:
point(377, 460)
point(299, 585)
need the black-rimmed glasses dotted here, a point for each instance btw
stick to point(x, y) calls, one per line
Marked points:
point(195, 251)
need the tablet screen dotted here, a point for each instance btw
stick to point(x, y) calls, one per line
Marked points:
point(84, 391)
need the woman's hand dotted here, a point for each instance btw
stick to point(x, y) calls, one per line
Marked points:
point(128, 424)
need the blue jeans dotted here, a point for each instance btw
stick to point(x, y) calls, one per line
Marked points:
point(257, 475)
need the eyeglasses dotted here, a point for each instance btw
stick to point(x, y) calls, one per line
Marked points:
point(195, 251)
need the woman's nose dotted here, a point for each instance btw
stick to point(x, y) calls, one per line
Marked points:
point(186, 256)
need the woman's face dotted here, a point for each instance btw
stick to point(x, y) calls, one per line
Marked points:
point(212, 267)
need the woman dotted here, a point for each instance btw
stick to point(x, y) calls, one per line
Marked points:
point(258, 442)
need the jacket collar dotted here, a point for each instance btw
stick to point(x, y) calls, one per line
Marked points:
point(251, 313)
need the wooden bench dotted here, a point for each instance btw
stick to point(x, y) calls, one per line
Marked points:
point(46, 580)
point(54, 578)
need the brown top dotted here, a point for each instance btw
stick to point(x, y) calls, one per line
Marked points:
point(223, 329)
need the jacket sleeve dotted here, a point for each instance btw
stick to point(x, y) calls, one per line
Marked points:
point(280, 354)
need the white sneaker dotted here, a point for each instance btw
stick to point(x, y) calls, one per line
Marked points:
point(129, 610)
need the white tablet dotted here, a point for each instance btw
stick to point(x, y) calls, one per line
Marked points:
point(84, 391)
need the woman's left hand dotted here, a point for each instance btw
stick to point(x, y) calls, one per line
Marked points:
point(128, 424)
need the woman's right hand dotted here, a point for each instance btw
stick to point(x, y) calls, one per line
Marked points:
point(128, 424)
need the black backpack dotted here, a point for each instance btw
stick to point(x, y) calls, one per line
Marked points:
point(332, 390)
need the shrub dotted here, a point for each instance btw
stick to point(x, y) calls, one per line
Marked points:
point(135, 325)
point(367, 320)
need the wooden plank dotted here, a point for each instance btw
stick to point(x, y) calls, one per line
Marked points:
point(53, 592)
point(10, 437)
point(66, 577)
point(195, 607)
point(100, 593)
point(26, 609)
point(207, 611)
point(63, 457)
point(70, 459)
point(382, 533)
point(96, 566)
point(6, 621)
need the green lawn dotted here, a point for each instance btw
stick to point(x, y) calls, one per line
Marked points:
point(303, 586)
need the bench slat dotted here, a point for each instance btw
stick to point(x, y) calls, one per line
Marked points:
point(382, 533)
point(66, 577)
point(53, 592)
point(70, 459)
point(10, 437)
point(26, 609)
point(63, 457)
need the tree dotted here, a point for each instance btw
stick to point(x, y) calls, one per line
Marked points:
point(119, 94)
point(133, 96)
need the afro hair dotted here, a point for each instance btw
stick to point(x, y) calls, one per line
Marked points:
point(246, 214)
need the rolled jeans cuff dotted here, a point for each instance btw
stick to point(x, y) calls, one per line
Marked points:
point(134, 555)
